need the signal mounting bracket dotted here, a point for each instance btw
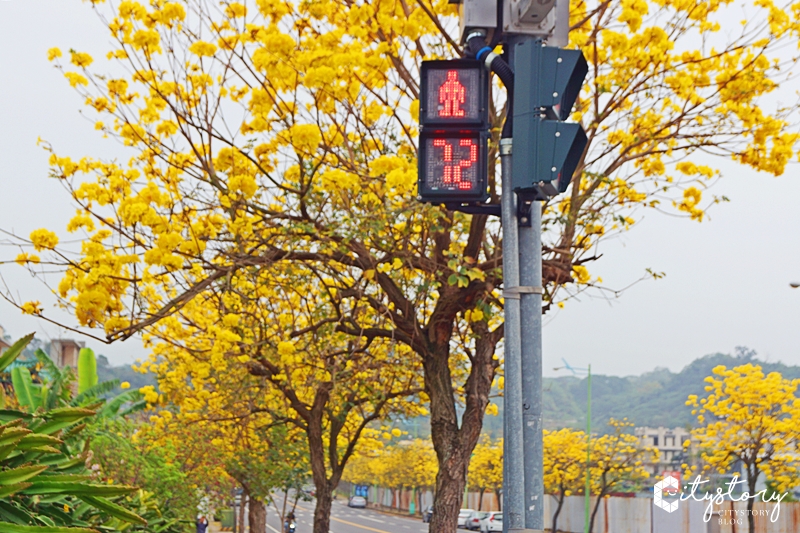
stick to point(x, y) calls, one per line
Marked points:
point(474, 209)
point(525, 200)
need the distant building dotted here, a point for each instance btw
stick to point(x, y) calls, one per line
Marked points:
point(64, 352)
point(4, 345)
point(669, 442)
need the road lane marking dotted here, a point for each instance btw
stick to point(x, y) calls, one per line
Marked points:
point(357, 525)
point(273, 529)
point(373, 519)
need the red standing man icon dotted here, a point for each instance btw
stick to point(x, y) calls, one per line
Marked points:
point(451, 95)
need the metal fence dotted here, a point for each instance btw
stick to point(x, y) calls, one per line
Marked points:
point(623, 515)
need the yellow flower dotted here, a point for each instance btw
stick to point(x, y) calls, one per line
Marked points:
point(124, 385)
point(43, 239)
point(202, 48)
point(53, 53)
point(32, 308)
point(80, 59)
point(25, 258)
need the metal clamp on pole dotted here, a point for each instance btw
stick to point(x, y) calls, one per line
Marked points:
point(515, 292)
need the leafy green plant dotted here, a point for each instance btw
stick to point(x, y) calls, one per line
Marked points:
point(45, 486)
point(87, 370)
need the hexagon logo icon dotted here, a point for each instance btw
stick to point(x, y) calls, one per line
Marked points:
point(670, 485)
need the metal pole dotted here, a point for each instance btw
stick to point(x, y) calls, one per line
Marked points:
point(587, 489)
point(513, 469)
point(530, 259)
point(560, 36)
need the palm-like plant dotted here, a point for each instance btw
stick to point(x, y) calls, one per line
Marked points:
point(45, 486)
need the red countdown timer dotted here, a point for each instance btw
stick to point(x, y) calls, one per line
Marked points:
point(453, 165)
point(454, 137)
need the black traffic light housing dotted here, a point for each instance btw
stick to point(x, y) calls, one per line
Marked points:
point(454, 135)
point(547, 151)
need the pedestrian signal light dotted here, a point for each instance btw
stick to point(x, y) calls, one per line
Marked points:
point(454, 93)
point(454, 131)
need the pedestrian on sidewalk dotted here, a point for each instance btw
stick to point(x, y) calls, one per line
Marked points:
point(202, 524)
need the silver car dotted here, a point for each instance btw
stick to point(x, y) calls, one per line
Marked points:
point(463, 516)
point(357, 501)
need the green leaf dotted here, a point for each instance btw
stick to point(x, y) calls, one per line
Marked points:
point(7, 527)
point(64, 477)
point(11, 415)
point(12, 353)
point(23, 387)
point(114, 510)
point(87, 370)
point(98, 390)
point(34, 440)
point(72, 413)
point(18, 475)
point(14, 513)
point(59, 419)
point(134, 397)
point(8, 490)
point(13, 435)
point(77, 489)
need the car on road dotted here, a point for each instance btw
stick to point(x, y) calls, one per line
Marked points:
point(463, 515)
point(474, 520)
point(492, 522)
point(357, 501)
point(427, 514)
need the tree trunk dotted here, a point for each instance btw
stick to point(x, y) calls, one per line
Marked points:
point(499, 499)
point(257, 516)
point(751, 487)
point(480, 498)
point(451, 455)
point(596, 507)
point(242, 507)
point(322, 512)
point(319, 471)
point(454, 445)
point(560, 500)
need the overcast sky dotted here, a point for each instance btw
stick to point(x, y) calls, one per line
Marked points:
point(727, 279)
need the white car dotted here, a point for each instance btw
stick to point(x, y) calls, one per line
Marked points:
point(357, 501)
point(492, 522)
point(463, 515)
point(475, 519)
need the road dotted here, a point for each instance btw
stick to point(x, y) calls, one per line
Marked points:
point(346, 520)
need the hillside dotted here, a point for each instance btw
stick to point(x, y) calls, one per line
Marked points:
point(656, 398)
point(652, 399)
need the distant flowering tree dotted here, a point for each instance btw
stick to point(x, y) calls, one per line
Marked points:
point(750, 417)
point(564, 466)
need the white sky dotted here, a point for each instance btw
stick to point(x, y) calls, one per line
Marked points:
point(727, 280)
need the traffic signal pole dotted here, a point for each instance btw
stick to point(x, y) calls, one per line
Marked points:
point(513, 445)
point(543, 83)
point(530, 258)
point(527, 224)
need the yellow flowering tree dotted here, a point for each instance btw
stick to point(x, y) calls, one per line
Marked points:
point(275, 132)
point(750, 417)
point(564, 466)
point(403, 465)
point(616, 460)
point(486, 468)
point(260, 352)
